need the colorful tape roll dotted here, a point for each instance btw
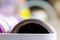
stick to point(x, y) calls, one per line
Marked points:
point(31, 26)
point(45, 5)
point(3, 27)
point(11, 21)
point(2, 30)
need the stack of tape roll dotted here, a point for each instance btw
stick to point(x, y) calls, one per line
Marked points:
point(3, 27)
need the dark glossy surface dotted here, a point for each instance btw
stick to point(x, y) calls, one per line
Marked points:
point(0, 31)
point(32, 28)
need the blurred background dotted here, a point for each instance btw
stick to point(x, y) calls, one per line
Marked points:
point(46, 10)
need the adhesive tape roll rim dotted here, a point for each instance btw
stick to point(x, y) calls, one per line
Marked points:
point(45, 25)
point(45, 5)
point(5, 26)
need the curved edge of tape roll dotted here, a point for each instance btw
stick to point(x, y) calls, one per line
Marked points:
point(45, 5)
point(2, 30)
point(49, 28)
point(5, 26)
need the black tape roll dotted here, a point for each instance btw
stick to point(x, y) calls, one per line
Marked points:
point(31, 26)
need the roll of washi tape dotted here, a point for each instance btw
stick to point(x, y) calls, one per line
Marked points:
point(3, 26)
point(39, 13)
point(10, 21)
point(2, 30)
point(33, 29)
point(45, 5)
point(19, 18)
point(31, 26)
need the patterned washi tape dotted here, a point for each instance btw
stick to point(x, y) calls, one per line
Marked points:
point(3, 26)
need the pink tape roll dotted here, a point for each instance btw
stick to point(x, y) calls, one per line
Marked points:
point(2, 30)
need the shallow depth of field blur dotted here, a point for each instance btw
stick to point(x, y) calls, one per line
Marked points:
point(49, 15)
